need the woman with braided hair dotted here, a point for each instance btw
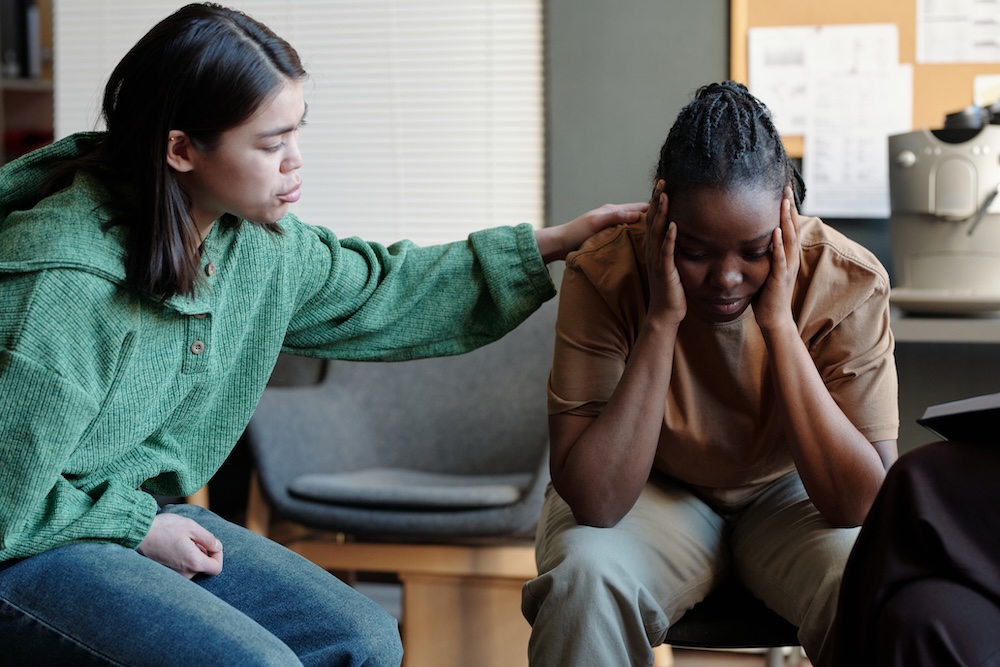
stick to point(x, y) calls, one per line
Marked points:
point(722, 402)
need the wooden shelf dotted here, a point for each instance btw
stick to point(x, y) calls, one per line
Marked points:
point(26, 85)
point(945, 329)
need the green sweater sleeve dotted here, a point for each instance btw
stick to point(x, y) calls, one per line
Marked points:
point(365, 301)
point(39, 507)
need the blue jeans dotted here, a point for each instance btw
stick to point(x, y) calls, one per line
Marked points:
point(103, 604)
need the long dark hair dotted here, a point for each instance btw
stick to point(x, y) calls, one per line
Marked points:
point(202, 70)
point(725, 138)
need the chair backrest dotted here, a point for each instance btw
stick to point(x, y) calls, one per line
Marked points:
point(478, 413)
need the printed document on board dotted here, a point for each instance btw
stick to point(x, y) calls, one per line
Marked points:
point(958, 31)
point(846, 154)
point(842, 88)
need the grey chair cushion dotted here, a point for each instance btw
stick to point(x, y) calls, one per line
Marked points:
point(479, 414)
point(411, 489)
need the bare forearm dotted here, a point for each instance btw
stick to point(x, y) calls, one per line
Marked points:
point(601, 471)
point(599, 466)
point(839, 467)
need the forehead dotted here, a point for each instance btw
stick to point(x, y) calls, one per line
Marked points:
point(284, 108)
point(736, 215)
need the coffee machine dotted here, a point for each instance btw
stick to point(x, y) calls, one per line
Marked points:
point(945, 216)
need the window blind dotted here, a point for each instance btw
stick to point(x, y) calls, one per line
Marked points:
point(426, 117)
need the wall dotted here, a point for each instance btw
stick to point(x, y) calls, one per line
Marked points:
point(937, 373)
point(617, 74)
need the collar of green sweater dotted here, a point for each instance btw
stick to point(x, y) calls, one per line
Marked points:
point(64, 229)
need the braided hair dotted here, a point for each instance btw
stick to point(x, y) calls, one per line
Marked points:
point(725, 138)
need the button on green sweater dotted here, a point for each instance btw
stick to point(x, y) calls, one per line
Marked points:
point(106, 398)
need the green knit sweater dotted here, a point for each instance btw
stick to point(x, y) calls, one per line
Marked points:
point(106, 398)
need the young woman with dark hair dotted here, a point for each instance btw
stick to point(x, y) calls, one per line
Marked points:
point(149, 277)
point(722, 401)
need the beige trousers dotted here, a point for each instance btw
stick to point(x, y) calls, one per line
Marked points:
point(606, 596)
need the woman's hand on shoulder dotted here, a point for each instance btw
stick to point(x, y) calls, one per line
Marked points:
point(773, 305)
point(183, 545)
point(666, 292)
point(555, 243)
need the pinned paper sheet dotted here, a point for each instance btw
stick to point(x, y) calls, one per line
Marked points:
point(843, 89)
point(783, 63)
point(778, 69)
point(846, 166)
point(986, 89)
point(958, 31)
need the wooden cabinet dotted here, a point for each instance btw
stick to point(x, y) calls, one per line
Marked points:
point(26, 104)
point(27, 116)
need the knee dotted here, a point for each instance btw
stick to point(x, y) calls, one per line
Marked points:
point(927, 463)
point(583, 578)
point(367, 638)
point(938, 622)
point(360, 634)
point(921, 479)
point(266, 651)
point(586, 568)
point(908, 633)
point(905, 614)
point(383, 646)
point(370, 636)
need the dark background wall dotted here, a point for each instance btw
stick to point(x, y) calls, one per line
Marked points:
point(617, 74)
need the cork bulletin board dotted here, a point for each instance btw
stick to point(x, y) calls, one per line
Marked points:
point(938, 89)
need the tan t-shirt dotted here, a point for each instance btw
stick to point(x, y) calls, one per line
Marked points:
point(722, 431)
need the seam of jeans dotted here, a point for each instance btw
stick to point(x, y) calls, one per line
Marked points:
point(54, 630)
